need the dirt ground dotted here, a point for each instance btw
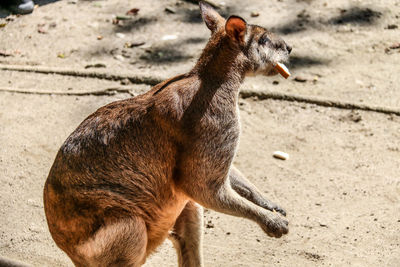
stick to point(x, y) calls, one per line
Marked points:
point(341, 184)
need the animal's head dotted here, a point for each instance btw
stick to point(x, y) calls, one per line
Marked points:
point(261, 50)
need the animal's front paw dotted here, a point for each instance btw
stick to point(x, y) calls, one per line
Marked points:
point(273, 207)
point(275, 226)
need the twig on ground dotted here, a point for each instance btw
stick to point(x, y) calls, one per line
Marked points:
point(317, 101)
point(83, 73)
point(106, 92)
point(149, 80)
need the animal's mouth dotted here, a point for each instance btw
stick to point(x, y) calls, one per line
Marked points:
point(272, 72)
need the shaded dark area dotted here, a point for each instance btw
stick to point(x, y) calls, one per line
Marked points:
point(129, 25)
point(192, 15)
point(301, 23)
point(164, 55)
point(195, 40)
point(172, 51)
point(297, 62)
point(356, 15)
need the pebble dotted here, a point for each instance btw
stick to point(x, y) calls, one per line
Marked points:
point(395, 46)
point(254, 14)
point(96, 65)
point(170, 10)
point(119, 57)
point(280, 155)
point(120, 35)
point(300, 79)
point(135, 44)
point(209, 224)
point(125, 81)
point(392, 26)
point(169, 37)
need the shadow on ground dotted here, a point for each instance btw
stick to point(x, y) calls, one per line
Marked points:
point(134, 24)
point(297, 62)
point(358, 16)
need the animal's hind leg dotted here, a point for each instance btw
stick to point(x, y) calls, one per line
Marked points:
point(187, 236)
point(122, 243)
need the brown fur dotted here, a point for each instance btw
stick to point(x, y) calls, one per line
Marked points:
point(134, 170)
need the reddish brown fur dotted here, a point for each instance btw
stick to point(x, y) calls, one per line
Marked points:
point(133, 170)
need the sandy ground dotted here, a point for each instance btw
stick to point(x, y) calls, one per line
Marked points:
point(341, 185)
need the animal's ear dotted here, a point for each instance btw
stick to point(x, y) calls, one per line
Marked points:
point(213, 20)
point(236, 28)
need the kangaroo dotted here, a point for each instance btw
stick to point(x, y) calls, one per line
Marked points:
point(138, 171)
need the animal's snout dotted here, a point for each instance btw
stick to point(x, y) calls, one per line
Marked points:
point(288, 48)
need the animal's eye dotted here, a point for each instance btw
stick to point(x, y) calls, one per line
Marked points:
point(263, 40)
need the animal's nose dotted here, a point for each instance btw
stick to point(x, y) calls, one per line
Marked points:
point(289, 48)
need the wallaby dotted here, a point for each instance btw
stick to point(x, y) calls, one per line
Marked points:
point(140, 170)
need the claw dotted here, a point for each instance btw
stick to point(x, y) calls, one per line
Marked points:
point(280, 210)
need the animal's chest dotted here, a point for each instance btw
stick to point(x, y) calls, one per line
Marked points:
point(218, 135)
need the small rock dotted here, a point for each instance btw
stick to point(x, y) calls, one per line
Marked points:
point(254, 14)
point(359, 82)
point(130, 45)
point(170, 10)
point(169, 37)
point(5, 54)
point(100, 37)
point(280, 155)
point(133, 12)
point(125, 81)
point(353, 116)
point(395, 46)
point(209, 224)
point(120, 35)
point(392, 26)
point(97, 65)
point(119, 57)
point(42, 31)
point(300, 79)
point(11, 18)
